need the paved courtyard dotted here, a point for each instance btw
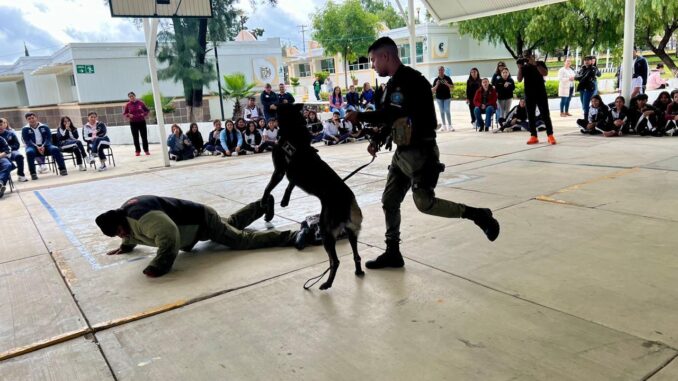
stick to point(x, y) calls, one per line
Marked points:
point(582, 283)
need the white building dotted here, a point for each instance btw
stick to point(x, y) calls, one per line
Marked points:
point(436, 46)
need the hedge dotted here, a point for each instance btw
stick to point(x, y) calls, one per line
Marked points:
point(459, 92)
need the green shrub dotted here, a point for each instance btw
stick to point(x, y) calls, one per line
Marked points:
point(149, 100)
point(459, 91)
point(324, 96)
point(294, 81)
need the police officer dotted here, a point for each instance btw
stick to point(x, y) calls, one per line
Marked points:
point(172, 224)
point(408, 117)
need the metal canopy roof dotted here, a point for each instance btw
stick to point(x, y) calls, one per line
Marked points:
point(446, 11)
point(13, 77)
point(53, 69)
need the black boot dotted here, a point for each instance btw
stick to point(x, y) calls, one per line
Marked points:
point(299, 237)
point(390, 258)
point(483, 218)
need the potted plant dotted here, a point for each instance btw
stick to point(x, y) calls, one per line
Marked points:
point(354, 79)
point(294, 81)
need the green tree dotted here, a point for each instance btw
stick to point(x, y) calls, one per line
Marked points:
point(384, 12)
point(656, 22)
point(236, 87)
point(345, 28)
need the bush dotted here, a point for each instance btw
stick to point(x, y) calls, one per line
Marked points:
point(294, 81)
point(149, 100)
point(459, 91)
point(322, 75)
point(324, 96)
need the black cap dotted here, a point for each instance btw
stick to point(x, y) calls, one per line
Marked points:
point(108, 222)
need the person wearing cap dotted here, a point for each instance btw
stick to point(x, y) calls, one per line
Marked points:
point(268, 99)
point(38, 140)
point(252, 112)
point(171, 224)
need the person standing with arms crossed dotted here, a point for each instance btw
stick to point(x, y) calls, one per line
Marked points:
point(408, 115)
point(533, 73)
point(136, 112)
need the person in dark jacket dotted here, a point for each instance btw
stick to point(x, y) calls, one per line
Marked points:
point(408, 117)
point(671, 115)
point(180, 147)
point(251, 139)
point(213, 146)
point(597, 117)
point(643, 116)
point(6, 165)
point(284, 96)
point(660, 104)
point(136, 112)
point(516, 119)
point(485, 101)
point(195, 137)
point(38, 140)
point(315, 127)
point(473, 83)
point(352, 99)
point(69, 141)
point(505, 87)
point(587, 83)
point(172, 224)
point(497, 73)
point(442, 88)
point(269, 99)
point(640, 67)
point(618, 120)
point(367, 98)
point(15, 155)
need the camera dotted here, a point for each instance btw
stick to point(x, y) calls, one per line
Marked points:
point(521, 61)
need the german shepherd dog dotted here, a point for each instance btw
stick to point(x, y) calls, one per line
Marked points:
point(294, 156)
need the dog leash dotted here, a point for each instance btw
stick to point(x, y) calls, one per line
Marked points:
point(358, 169)
point(319, 277)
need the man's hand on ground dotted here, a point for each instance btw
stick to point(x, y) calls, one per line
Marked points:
point(117, 251)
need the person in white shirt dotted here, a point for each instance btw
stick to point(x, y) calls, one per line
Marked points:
point(252, 112)
point(269, 136)
point(334, 131)
point(636, 85)
point(565, 87)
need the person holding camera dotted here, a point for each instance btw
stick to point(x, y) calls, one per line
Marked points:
point(533, 72)
point(587, 83)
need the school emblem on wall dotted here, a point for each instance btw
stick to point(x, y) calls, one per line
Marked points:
point(265, 70)
point(440, 47)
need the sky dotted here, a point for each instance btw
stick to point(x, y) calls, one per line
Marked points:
point(47, 25)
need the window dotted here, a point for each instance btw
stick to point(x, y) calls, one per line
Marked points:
point(304, 70)
point(405, 53)
point(363, 63)
point(327, 65)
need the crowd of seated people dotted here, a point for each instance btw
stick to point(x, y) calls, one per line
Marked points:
point(659, 118)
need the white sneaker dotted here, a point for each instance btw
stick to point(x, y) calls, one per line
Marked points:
point(234, 154)
point(82, 167)
point(441, 129)
point(22, 179)
point(90, 157)
point(102, 168)
point(43, 168)
point(450, 128)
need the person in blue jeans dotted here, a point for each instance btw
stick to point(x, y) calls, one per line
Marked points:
point(442, 86)
point(485, 101)
point(6, 166)
point(38, 140)
point(587, 86)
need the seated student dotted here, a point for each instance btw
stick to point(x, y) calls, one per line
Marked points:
point(367, 98)
point(643, 116)
point(38, 140)
point(660, 104)
point(251, 138)
point(597, 118)
point(195, 137)
point(337, 102)
point(334, 132)
point(15, 155)
point(671, 115)
point(485, 102)
point(352, 99)
point(241, 125)
point(68, 138)
point(6, 165)
point(261, 126)
point(315, 127)
point(516, 118)
point(94, 133)
point(213, 146)
point(269, 136)
point(654, 80)
point(505, 86)
point(231, 139)
point(180, 147)
point(618, 120)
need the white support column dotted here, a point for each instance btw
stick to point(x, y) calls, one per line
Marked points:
point(151, 33)
point(413, 41)
point(627, 61)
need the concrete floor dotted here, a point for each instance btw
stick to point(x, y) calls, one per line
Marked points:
point(580, 285)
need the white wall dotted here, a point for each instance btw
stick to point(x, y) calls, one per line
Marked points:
point(9, 95)
point(41, 89)
point(64, 87)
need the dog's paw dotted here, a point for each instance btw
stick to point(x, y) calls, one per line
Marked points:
point(325, 286)
point(284, 203)
point(359, 273)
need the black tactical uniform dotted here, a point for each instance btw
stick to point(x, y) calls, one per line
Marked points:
point(408, 100)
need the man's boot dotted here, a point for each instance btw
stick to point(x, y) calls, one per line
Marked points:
point(270, 208)
point(483, 218)
point(299, 238)
point(390, 258)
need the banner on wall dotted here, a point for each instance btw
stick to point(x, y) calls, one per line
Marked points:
point(439, 47)
point(265, 71)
